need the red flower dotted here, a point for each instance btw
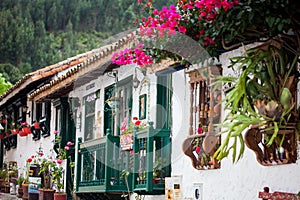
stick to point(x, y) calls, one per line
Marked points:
point(137, 123)
point(29, 160)
point(135, 118)
point(198, 149)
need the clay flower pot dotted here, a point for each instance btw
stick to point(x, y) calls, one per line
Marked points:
point(25, 191)
point(22, 134)
point(26, 130)
point(60, 196)
point(46, 194)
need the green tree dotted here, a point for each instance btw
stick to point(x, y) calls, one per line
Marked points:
point(10, 73)
point(4, 85)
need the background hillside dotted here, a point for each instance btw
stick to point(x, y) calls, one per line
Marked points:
point(38, 33)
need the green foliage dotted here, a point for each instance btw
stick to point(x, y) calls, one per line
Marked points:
point(4, 85)
point(20, 180)
point(250, 21)
point(260, 96)
point(43, 32)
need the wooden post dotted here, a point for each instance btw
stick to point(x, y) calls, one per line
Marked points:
point(191, 108)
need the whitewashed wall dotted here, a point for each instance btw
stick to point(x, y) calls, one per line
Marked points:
point(26, 147)
point(242, 180)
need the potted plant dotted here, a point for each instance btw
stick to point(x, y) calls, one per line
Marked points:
point(158, 170)
point(4, 184)
point(20, 181)
point(127, 129)
point(52, 171)
point(261, 98)
point(25, 183)
point(25, 128)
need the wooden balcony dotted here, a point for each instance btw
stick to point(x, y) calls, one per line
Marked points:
point(152, 150)
point(101, 163)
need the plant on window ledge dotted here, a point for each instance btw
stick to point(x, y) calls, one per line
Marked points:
point(262, 97)
point(127, 129)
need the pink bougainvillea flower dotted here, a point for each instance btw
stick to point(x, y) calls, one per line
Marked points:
point(67, 148)
point(59, 161)
point(70, 143)
point(182, 29)
point(55, 132)
point(123, 127)
point(200, 130)
point(198, 149)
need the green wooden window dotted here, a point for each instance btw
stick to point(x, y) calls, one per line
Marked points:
point(89, 117)
point(114, 117)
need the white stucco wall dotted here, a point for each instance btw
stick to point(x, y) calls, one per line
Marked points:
point(26, 147)
point(243, 180)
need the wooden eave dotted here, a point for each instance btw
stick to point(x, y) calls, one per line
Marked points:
point(30, 80)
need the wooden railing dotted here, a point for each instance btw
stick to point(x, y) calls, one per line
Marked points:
point(152, 150)
point(102, 164)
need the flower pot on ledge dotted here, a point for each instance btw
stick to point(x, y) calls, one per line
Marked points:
point(46, 194)
point(22, 134)
point(26, 130)
point(60, 196)
point(25, 191)
point(15, 131)
point(36, 125)
point(269, 155)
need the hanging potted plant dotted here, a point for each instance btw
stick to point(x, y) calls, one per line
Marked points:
point(261, 100)
point(22, 133)
point(25, 127)
point(36, 125)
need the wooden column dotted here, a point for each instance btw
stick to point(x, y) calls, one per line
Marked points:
point(191, 108)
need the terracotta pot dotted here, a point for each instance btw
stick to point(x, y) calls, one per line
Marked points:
point(15, 131)
point(26, 130)
point(25, 191)
point(37, 125)
point(22, 134)
point(60, 196)
point(46, 194)
point(20, 192)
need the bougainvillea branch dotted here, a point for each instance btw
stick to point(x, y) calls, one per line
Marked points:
point(214, 24)
point(181, 18)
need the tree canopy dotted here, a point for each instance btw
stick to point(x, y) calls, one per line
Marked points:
point(38, 33)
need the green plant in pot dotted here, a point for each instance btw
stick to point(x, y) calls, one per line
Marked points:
point(262, 96)
point(158, 168)
point(20, 181)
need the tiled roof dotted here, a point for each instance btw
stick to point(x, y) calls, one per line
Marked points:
point(95, 59)
point(41, 73)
